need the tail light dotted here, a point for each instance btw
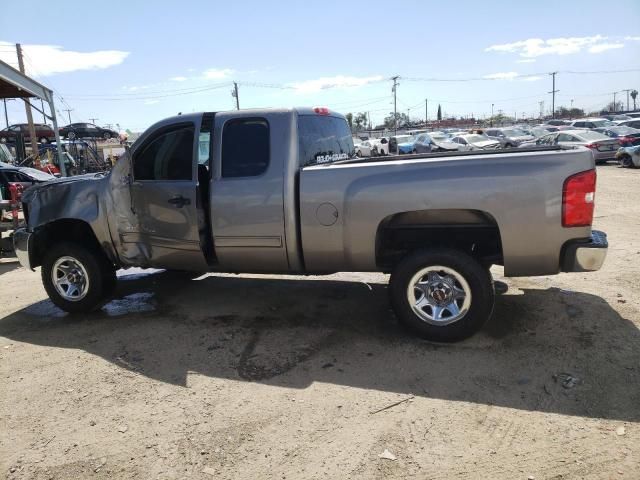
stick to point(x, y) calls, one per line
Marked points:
point(578, 195)
point(625, 140)
point(592, 146)
point(321, 110)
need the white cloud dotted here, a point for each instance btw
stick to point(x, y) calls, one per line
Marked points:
point(151, 102)
point(179, 79)
point(501, 76)
point(45, 60)
point(339, 81)
point(633, 39)
point(603, 47)
point(526, 60)
point(217, 73)
point(533, 78)
point(536, 47)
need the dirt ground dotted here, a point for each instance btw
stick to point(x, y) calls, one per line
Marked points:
point(238, 377)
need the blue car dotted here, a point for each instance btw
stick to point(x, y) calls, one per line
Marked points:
point(405, 144)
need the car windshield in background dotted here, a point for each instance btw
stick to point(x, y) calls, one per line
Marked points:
point(589, 135)
point(476, 138)
point(36, 174)
point(324, 139)
point(513, 132)
point(601, 123)
point(624, 130)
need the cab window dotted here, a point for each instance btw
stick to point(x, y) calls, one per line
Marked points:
point(245, 147)
point(167, 157)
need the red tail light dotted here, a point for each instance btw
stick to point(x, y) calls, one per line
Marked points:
point(592, 146)
point(625, 140)
point(578, 196)
point(321, 110)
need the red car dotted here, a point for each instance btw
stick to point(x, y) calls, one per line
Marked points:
point(44, 133)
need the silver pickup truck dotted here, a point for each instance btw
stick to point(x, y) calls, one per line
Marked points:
point(281, 191)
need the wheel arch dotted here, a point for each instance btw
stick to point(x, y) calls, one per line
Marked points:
point(63, 229)
point(475, 232)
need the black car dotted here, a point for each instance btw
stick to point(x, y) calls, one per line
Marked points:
point(87, 130)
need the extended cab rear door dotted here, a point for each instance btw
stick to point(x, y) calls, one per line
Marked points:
point(247, 190)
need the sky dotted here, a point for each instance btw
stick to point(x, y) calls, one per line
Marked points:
point(139, 62)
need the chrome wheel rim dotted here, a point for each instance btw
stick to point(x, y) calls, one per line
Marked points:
point(70, 279)
point(439, 295)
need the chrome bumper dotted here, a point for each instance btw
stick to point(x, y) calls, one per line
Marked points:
point(21, 244)
point(585, 255)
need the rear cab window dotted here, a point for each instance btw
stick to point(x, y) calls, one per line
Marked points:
point(323, 139)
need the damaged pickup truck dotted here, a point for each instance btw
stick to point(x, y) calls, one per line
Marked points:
point(281, 191)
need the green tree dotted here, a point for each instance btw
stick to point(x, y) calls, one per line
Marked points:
point(402, 120)
point(360, 121)
point(439, 113)
point(349, 117)
point(614, 107)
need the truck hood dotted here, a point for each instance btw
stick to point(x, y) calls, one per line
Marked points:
point(486, 144)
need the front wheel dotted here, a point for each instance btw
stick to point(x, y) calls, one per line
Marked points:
point(442, 294)
point(625, 161)
point(77, 279)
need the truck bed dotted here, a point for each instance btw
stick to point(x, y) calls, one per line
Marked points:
point(520, 190)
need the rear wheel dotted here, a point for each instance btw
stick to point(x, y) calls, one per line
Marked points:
point(106, 136)
point(77, 279)
point(442, 294)
point(71, 135)
point(626, 162)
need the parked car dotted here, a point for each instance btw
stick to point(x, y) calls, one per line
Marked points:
point(629, 156)
point(433, 142)
point(254, 204)
point(380, 146)
point(398, 139)
point(475, 141)
point(604, 148)
point(591, 123)
point(557, 122)
point(627, 136)
point(616, 118)
point(25, 176)
point(44, 133)
point(87, 130)
point(406, 144)
point(542, 130)
point(633, 123)
point(363, 149)
point(508, 137)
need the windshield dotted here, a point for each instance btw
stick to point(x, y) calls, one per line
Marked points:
point(404, 138)
point(439, 136)
point(589, 135)
point(36, 174)
point(624, 131)
point(475, 138)
point(513, 132)
point(601, 123)
point(323, 139)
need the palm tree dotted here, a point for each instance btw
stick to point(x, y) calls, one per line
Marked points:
point(634, 94)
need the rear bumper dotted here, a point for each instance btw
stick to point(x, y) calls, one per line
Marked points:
point(21, 245)
point(585, 255)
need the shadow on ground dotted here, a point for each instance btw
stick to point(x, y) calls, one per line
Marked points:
point(544, 350)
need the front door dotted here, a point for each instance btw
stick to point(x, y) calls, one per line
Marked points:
point(164, 202)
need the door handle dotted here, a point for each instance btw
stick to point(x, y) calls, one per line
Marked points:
point(179, 201)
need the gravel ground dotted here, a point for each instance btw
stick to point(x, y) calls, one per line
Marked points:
point(234, 377)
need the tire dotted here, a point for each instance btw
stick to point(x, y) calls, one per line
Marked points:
point(71, 135)
point(106, 136)
point(626, 162)
point(82, 263)
point(457, 273)
point(358, 153)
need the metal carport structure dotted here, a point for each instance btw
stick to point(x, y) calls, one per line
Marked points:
point(14, 84)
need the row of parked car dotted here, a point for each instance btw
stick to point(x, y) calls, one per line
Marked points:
point(45, 133)
point(605, 137)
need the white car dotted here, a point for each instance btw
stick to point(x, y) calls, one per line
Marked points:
point(380, 146)
point(363, 149)
point(591, 123)
point(475, 141)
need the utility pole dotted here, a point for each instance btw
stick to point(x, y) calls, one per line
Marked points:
point(541, 103)
point(68, 110)
point(627, 90)
point(426, 111)
point(93, 120)
point(553, 95)
point(491, 115)
point(234, 93)
point(369, 119)
point(571, 111)
point(614, 101)
point(395, 111)
point(6, 117)
point(27, 106)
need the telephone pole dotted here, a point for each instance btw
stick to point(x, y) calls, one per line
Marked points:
point(614, 101)
point(27, 106)
point(68, 110)
point(6, 117)
point(234, 94)
point(627, 90)
point(93, 120)
point(541, 103)
point(426, 111)
point(553, 95)
point(395, 111)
